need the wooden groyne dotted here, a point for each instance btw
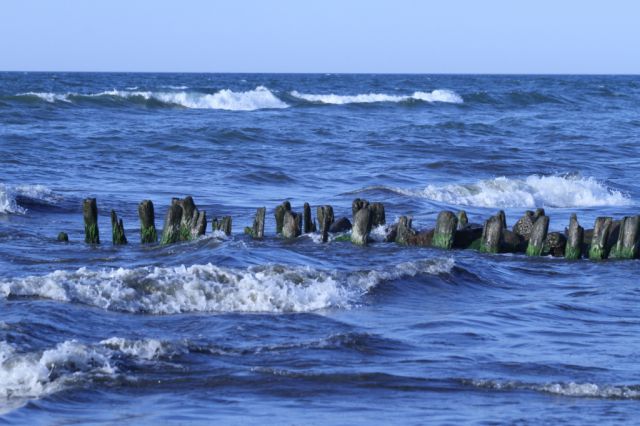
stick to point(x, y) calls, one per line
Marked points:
point(608, 239)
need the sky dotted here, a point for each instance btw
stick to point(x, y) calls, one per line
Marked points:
point(370, 36)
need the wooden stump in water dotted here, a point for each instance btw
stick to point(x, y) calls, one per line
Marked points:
point(361, 226)
point(444, 232)
point(575, 237)
point(291, 225)
point(193, 222)
point(491, 239)
point(524, 225)
point(321, 213)
point(117, 230)
point(356, 205)
point(63, 237)
point(463, 220)
point(404, 230)
point(601, 229)
point(341, 225)
point(148, 232)
point(627, 245)
point(90, 214)
point(309, 224)
point(257, 230)
point(223, 224)
point(172, 221)
point(377, 214)
point(279, 214)
point(555, 244)
point(503, 219)
point(538, 236)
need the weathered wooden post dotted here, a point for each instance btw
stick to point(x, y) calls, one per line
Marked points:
point(291, 225)
point(193, 222)
point(148, 232)
point(279, 214)
point(627, 244)
point(377, 214)
point(63, 237)
point(117, 230)
point(223, 224)
point(404, 231)
point(356, 205)
point(503, 219)
point(491, 239)
point(361, 226)
point(445, 230)
point(90, 214)
point(309, 224)
point(321, 213)
point(575, 237)
point(463, 220)
point(524, 225)
point(601, 229)
point(538, 236)
point(555, 244)
point(172, 220)
point(257, 230)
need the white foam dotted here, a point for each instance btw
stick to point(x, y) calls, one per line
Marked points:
point(8, 194)
point(35, 374)
point(590, 390)
point(146, 349)
point(209, 288)
point(532, 191)
point(447, 96)
point(259, 98)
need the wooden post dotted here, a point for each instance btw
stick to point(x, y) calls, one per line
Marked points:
point(377, 214)
point(172, 220)
point(117, 230)
point(63, 237)
point(524, 225)
point(601, 229)
point(321, 213)
point(361, 226)
point(463, 220)
point(445, 229)
point(404, 231)
point(309, 224)
point(223, 224)
point(257, 230)
point(90, 214)
point(575, 237)
point(627, 244)
point(538, 236)
point(291, 225)
point(279, 214)
point(148, 232)
point(491, 239)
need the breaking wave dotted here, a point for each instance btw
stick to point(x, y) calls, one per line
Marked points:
point(11, 194)
point(446, 96)
point(30, 375)
point(589, 390)
point(209, 288)
point(532, 191)
point(259, 98)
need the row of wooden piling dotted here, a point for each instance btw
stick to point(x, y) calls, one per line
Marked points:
point(530, 235)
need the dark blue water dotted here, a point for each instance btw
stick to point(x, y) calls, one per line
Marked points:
point(237, 331)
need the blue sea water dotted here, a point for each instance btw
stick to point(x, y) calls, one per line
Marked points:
point(237, 331)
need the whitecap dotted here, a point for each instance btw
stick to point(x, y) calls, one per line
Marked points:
point(209, 288)
point(9, 195)
point(591, 390)
point(439, 95)
point(533, 191)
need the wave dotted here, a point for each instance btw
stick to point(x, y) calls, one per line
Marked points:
point(441, 95)
point(31, 375)
point(530, 192)
point(209, 288)
point(259, 98)
point(11, 196)
point(590, 390)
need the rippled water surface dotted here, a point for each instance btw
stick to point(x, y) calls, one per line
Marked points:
point(235, 330)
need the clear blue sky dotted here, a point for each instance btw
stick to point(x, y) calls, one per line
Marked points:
point(448, 36)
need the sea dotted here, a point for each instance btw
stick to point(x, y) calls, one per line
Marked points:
point(231, 330)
